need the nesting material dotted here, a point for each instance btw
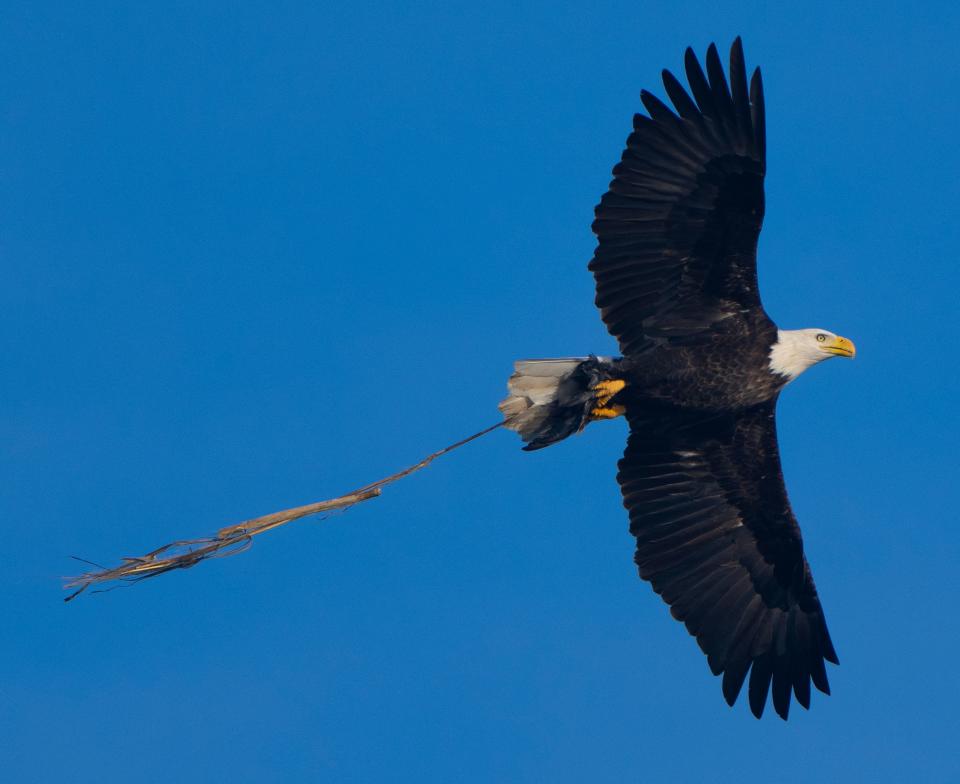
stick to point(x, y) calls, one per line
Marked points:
point(234, 539)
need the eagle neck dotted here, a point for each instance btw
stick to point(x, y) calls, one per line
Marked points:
point(790, 354)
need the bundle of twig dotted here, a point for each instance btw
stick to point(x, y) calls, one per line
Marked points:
point(234, 539)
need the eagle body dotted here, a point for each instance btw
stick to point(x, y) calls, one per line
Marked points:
point(724, 368)
point(701, 370)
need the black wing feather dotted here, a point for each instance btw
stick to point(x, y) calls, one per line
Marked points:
point(698, 83)
point(721, 98)
point(680, 99)
point(718, 541)
point(677, 230)
point(758, 114)
point(740, 93)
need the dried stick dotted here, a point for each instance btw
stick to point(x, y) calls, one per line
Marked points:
point(234, 539)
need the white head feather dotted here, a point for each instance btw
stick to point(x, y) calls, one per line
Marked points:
point(798, 349)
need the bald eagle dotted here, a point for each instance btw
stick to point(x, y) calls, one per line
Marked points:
point(702, 367)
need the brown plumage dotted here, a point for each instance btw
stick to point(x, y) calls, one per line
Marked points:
point(675, 270)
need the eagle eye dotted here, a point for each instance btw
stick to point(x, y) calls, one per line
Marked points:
point(821, 337)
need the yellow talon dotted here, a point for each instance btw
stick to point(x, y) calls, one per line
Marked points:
point(610, 387)
point(605, 390)
point(611, 412)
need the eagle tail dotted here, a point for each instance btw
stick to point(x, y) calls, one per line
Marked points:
point(551, 399)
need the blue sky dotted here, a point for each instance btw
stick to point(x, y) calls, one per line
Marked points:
point(256, 256)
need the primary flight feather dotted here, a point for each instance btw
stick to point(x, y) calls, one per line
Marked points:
point(702, 367)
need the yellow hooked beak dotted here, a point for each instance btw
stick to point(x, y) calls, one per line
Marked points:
point(841, 347)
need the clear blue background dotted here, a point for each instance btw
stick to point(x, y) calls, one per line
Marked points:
point(257, 255)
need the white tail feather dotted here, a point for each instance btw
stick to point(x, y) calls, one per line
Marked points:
point(533, 387)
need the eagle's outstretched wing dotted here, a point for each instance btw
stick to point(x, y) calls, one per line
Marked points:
point(677, 231)
point(718, 541)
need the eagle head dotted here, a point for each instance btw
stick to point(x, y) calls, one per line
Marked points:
point(798, 349)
